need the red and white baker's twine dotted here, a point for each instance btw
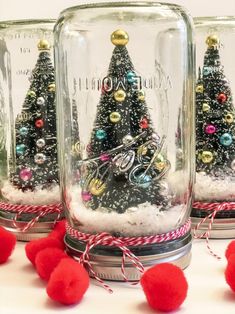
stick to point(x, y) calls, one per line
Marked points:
point(122, 243)
point(41, 210)
point(213, 209)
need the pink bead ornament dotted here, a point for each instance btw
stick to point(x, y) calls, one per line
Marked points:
point(86, 196)
point(210, 129)
point(104, 157)
point(26, 174)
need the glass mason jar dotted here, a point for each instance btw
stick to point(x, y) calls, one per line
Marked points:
point(125, 112)
point(30, 198)
point(215, 125)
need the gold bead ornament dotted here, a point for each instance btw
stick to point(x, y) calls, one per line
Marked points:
point(119, 95)
point(31, 93)
point(51, 87)
point(229, 118)
point(160, 163)
point(97, 187)
point(205, 107)
point(212, 41)
point(206, 157)
point(43, 45)
point(141, 95)
point(115, 117)
point(199, 88)
point(142, 150)
point(119, 37)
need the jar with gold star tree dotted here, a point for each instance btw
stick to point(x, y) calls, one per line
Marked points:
point(133, 178)
point(30, 199)
point(215, 127)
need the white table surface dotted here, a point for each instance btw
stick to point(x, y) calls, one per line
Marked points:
point(23, 292)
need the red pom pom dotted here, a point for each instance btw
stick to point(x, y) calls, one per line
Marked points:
point(46, 261)
point(68, 282)
point(7, 244)
point(59, 230)
point(230, 272)
point(33, 247)
point(230, 249)
point(165, 287)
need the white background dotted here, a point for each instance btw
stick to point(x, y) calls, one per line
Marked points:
point(20, 289)
point(18, 9)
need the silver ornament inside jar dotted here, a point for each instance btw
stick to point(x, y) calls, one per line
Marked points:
point(40, 143)
point(119, 103)
point(40, 101)
point(215, 135)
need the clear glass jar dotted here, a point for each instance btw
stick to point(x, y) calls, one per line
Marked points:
point(125, 112)
point(215, 123)
point(30, 198)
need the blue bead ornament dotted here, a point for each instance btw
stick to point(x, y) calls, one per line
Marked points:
point(226, 139)
point(131, 77)
point(138, 176)
point(143, 180)
point(206, 70)
point(23, 131)
point(20, 149)
point(100, 134)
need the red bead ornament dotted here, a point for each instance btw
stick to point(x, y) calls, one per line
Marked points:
point(165, 287)
point(47, 260)
point(222, 98)
point(59, 230)
point(33, 247)
point(230, 249)
point(144, 123)
point(68, 282)
point(39, 123)
point(7, 244)
point(230, 272)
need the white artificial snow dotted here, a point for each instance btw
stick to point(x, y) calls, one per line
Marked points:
point(214, 189)
point(36, 197)
point(144, 219)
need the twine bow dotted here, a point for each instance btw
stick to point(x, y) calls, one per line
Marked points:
point(40, 210)
point(106, 239)
point(214, 208)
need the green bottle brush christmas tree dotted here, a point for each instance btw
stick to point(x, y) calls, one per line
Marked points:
point(34, 165)
point(124, 173)
point(215, 129)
